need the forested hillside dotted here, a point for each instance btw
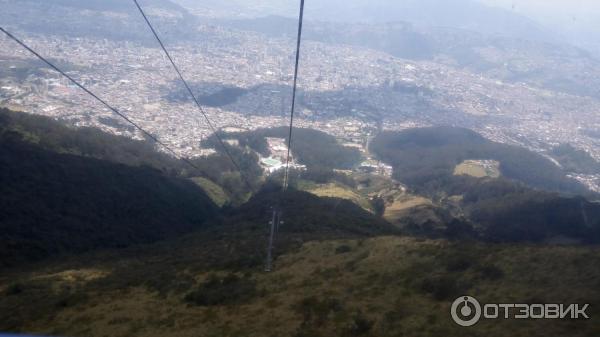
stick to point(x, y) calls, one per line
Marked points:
point(75, 189)
point(573, 160)
point(60, 203)
point(88, 142)
point(425, 159)
point(533, 200)
point(93, 143)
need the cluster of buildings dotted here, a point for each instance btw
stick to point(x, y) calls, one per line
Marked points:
point(278, 156)
point(374, 166)
point(592, 181)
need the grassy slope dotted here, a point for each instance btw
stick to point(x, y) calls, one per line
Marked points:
point(396, 210)
point(401, 285)
point(214, 191)
point(476, 170)
point(336, 190)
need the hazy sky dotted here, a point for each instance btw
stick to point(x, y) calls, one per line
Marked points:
point(576, 12)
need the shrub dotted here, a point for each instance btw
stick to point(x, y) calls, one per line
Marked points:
point(441, 287)
point(67, 299)
point(490, 272)
point(14, 289)
point(317, 311)
point(343, 249)
point(360, 326)
point(458, 263)
point(223, 291)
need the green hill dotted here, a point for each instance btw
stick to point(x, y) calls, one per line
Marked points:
point(522, 205)
point(60, 203)
point(55, 136)
point(573, 160)
point(426, 157)
point(306, 213)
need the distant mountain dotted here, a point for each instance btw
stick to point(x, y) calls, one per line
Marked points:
point(111, 19)
point(460, 14)
point(557, 66)
point(111, 5)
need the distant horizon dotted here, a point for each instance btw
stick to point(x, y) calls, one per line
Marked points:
point(581, 13)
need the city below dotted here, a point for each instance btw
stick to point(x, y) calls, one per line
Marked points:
point(346, 91)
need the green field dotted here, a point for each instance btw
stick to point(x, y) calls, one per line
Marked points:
point(478, 169)
point(214, 191)
point(398, 208)
point(336, 190)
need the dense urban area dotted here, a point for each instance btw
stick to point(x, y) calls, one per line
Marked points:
point(347, 91)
